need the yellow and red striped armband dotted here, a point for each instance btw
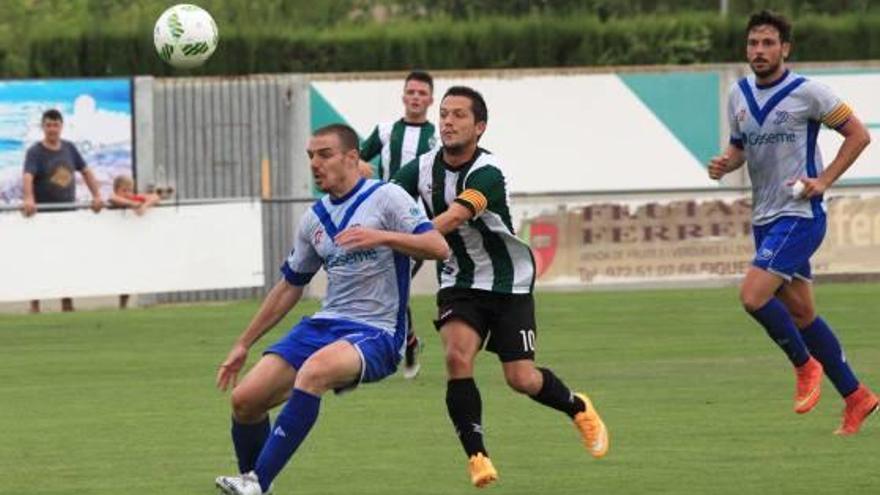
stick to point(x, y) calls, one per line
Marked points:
point(838, 116)
point(474, 199)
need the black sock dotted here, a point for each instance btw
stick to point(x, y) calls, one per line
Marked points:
point(248, 441)
point(466, 410)
point(410, 328)
point(555, 394)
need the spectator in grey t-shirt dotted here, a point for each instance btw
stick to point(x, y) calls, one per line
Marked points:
point(48, 177)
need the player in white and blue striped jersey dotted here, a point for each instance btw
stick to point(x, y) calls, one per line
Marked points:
point(775, 117)
point(362, 233)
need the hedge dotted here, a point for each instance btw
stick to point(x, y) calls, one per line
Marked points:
point(446, 44)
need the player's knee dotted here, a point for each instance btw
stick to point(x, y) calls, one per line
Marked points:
point(802, 315)
point(313, 378)
point(245, 407)
point(525, 381)
point(751, 301)
point(458, 362)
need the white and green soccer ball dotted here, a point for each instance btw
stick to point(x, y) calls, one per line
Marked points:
point(185, 36)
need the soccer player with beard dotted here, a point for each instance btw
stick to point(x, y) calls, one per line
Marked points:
point(774, 117)
point(485, 298)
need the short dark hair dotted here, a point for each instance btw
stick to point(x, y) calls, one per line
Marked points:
point(419, 75)
point(52, 114)
point(770, 18)
point(478, 104)
point(348, 138)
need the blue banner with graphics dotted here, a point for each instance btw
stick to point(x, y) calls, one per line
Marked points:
point(97, 119)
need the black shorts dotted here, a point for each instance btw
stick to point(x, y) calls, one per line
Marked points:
point(505, 322)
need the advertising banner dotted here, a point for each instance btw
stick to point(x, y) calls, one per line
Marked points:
point(688, 240)
point(97, 119)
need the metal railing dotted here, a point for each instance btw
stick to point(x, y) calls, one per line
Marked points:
point(659, 194)
point(49, 207)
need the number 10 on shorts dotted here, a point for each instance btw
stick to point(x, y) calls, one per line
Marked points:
point(528, 339)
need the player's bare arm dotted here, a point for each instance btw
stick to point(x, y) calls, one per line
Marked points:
point(732, 159)
point(427, 245)
point(280, 300)
point(856, 138)
point(450, 219)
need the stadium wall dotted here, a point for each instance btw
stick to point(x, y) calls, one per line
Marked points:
point(632, 139)
point(570, 138)
point(79, 254)
point(575, 131)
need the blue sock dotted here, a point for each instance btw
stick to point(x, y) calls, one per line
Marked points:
point(291, 427)
point(826, 348)
point(248, 441)
point(776, 320)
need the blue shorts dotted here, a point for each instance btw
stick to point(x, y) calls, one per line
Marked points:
point(380, 351)
point(785, 245)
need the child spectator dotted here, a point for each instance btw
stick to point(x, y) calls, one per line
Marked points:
point(124, 197)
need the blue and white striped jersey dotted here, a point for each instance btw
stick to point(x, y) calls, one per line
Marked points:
point(368, 286)
point(777, 126)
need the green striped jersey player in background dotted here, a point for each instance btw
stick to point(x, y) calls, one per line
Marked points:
point(397, 143)
point(485, 298)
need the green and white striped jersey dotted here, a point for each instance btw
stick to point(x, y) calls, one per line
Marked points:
point(398, 143)
point(486, 254)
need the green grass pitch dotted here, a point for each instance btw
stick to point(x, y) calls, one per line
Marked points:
point(697, 399)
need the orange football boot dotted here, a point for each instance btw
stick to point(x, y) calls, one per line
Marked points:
point(482, 471)
point(809, 383)
point(592, 429)
point(859, 405)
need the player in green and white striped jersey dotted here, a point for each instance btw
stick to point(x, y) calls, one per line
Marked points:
point(486, 285)
point(398, 143)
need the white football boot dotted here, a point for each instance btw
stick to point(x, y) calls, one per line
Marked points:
point(245, 484)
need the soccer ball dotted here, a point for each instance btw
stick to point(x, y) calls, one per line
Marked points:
point(185, 36)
